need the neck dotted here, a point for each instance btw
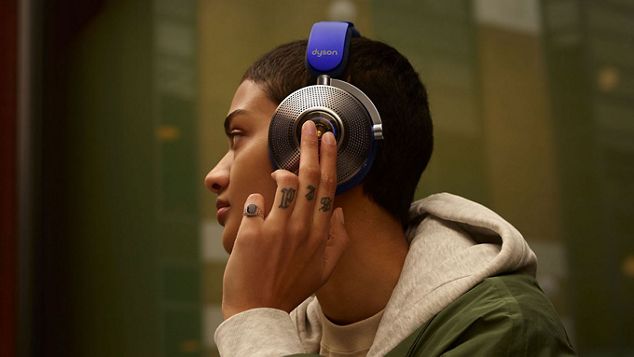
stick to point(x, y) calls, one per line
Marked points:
point(369, 269)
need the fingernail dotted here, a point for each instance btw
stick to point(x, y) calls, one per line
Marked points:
point(340, 215)
point(328, 138)
point(309, 128)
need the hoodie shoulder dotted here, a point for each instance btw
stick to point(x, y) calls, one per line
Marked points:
point(506, 315)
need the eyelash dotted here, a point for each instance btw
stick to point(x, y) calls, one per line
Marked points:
point(232, 136)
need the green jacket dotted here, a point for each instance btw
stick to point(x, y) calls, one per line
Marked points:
point(506, 315)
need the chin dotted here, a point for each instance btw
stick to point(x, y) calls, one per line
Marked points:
point(227, 240)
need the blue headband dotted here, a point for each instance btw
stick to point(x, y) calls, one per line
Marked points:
point(327, 50)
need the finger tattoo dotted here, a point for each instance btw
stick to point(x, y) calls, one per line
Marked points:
point(325, 204)
point(288, 195)
point(311, 192)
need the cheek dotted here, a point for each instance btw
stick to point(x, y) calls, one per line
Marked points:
point(250, 173)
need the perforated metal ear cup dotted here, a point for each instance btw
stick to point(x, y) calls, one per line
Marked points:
point(333, 109)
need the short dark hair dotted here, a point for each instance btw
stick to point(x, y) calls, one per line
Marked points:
point(393, 85)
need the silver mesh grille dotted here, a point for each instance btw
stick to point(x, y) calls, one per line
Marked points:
point(355, 141)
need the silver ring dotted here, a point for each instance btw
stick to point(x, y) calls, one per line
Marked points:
point(252, 210)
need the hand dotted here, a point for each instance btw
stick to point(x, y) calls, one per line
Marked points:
point(281, 260)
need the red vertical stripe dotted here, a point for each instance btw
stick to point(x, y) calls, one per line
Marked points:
point(8, 169)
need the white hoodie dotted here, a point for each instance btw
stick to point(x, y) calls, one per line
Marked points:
point(454, 245)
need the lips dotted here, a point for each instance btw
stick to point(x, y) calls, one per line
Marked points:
point(222, 209)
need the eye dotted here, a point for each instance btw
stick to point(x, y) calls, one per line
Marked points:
point(235, 136)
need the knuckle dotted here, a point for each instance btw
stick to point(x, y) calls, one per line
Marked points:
point(254, 197)
point(272, 231)
point(328, 180)
point(287, 178)
point(248, 232)
point(246, 238)
point(297, 230)
point(311, 173)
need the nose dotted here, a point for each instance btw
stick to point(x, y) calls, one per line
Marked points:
point(217, 179)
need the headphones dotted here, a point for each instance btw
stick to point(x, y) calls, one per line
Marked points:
point(333, 104)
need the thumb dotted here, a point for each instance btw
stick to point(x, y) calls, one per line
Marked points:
point(336, 243)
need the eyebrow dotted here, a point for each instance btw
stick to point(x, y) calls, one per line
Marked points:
point(230, 117)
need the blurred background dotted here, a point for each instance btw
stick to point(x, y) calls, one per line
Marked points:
point(111, 114)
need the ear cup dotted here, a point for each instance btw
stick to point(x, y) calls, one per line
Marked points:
point(332, 109)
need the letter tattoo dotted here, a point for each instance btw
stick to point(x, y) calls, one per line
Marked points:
point(311, 192)
point(288, 195)
point(325, 204)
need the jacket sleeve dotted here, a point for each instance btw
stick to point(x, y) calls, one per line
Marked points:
point(258, 332)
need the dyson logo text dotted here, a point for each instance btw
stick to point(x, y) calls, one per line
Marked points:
point(320, 53)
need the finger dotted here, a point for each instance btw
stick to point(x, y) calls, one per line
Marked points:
point(336, 244)
point(327, 184)
point(285, 196)
point(252, 214)
point(309, 174)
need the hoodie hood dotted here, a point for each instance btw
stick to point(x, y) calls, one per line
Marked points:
point(454, 245)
